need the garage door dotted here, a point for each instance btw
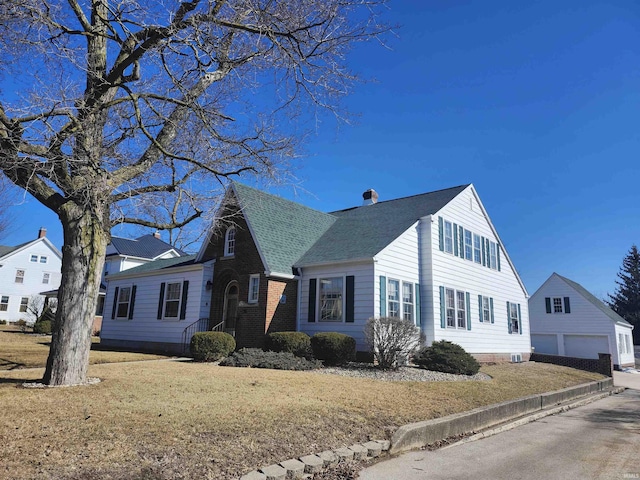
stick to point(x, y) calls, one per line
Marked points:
point(545, 343)
point(585, 346)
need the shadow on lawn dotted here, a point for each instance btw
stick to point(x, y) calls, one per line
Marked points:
point(6, 364)
point(16, 381)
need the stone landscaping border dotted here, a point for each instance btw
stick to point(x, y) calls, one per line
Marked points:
point(420, 434)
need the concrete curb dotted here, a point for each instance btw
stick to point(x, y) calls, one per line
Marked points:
point(419, 434)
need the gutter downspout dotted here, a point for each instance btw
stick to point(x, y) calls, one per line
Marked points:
point(299, 306)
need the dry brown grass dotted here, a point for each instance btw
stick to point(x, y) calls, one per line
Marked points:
point(25, 350)
point(173, 420)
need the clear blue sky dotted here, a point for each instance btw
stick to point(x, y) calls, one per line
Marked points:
point(537, 105)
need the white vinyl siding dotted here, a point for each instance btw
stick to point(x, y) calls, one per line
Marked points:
point(585, 321)
point(439, 268)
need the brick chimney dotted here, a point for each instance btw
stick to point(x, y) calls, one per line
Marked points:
point(42, 232)
point(370, 197)
point(156, 234)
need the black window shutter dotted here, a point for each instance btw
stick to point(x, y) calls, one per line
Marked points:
point(567, 305)
point(349, 301)
point(115, 303)
point(132, 302)
point(547, 301)
point(440, 234)
point(455, 239)
point(183, 303)
point(311, 317)
point(160, 302)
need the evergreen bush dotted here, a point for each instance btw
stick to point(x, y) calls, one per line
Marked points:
point(43, 327)
point(333, 348)
point(297, 343)
point(256, 358)
point(446, 357)
point(211, 346)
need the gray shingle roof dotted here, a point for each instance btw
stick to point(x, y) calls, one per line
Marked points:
point(146, 246)
point(364, 231)
point(595, 301)
point(157, 265)
point(6, 250)
point(283, 230)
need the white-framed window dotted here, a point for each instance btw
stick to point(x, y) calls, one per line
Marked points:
point(448, 237)
point(24, 304)
point(407, 301)
point(19, 276)
point(621, 343)
point(514, 318)
point(393, 296)
point(45, 277)
point(4, 303)
point(43, 259)
point(254, 288)
point(477, 249)
point(461, 310)
point(493, 255)
point(486, 309)
point(628, 342)
point(124, 299)
point(557, 305)
point(450, 305)
point(172, 300)
point(468, 247)
point(331, 294)
point(34, 258)
point(230, 242)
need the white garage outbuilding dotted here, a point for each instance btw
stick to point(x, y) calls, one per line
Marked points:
point(569, 321)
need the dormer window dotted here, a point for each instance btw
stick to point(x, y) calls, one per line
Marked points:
point(230, 242)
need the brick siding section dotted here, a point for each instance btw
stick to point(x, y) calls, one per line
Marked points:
point(256, 319)
point(602, 365)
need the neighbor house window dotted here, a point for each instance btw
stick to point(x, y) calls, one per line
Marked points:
point(45, 277)
point(19, 276)
point(230, 242)
point(124, 298)
point(557, 305)
point(254, 288)
point(621, 343)
point(450, 305)
point(477, 249)
point(514, 318)
point(407, 301)
point(172, 300)
point(448, 237)
point(393, 294)
point(24, 303)
point(468, 248)
point(34, 258)
point(331, 299)
point(43, 259)
point(628, 342)
point(4, 303)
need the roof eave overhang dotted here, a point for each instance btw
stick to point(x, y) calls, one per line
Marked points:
point(153, 273)
point(336, 262)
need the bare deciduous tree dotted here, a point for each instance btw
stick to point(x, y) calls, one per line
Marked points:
point(116, 101)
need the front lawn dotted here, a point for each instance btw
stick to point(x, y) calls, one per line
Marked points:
point(26, 350)
point(177, 420)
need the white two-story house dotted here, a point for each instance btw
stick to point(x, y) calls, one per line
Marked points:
point(26, 270)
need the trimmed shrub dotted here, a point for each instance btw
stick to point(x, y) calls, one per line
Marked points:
point(297, 343)
point(447, 357)
point(392, 340)
point(333, 348)
point(42, 327)
point(256, 358)
point(3, 322)
point(22, 323)
point(211, 346)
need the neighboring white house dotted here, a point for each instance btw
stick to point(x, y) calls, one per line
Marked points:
point(433, 259)
point(25, 271)
point(146, 306)
point(569, 321)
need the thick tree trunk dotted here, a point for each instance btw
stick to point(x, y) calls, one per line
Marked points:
point(85, 243)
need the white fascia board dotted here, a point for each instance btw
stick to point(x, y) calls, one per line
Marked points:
point(211, 228)
point(45, 240)
point(165, 252)
point(554, 274)
point(153, 273)
point(337, 262)
point(286, 276)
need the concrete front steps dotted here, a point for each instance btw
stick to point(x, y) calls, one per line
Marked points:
point(472, 425)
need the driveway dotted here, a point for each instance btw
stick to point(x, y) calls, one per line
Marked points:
point(600, 440)
point(627, 379)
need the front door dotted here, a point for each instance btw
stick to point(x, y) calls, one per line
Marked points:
point(230, 313)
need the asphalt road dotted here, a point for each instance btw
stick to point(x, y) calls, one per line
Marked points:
point(597, 441)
